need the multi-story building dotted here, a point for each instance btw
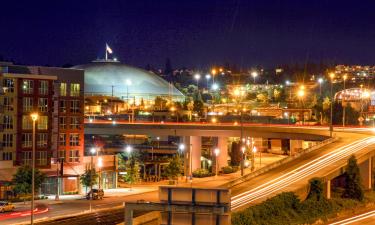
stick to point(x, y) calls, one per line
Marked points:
point(56, 94)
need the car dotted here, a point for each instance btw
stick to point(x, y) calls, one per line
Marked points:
point(6, 206)
point(95, 194)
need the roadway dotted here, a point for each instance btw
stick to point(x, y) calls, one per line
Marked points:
point(367, 218)
point(288, 177)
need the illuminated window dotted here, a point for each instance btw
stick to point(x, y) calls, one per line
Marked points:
point(27, 123)
point(74, 90)
point(61, 154)
point(43, 123)
point(28, 86)
point(63, 89)
point(74, 156)
point(8, 85)
point(41, 158)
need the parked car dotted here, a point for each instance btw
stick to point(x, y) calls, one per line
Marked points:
point(95, 194)
point(6, 206)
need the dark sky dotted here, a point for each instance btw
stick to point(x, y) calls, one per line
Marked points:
point(195, 33)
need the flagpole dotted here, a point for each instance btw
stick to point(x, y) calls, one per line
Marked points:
point(106, 52)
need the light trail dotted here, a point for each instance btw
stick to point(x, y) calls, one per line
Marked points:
point(355, 218)
point(299, 173)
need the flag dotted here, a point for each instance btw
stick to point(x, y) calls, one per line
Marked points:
point(108, 49)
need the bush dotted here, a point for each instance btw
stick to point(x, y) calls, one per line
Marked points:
point(316, 189)
point(353, 186)
point(229, 169)
point(202, 173)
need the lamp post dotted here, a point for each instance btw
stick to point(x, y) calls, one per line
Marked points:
point(301, 95)
point(208, 77)
point(100, 165)
point(128, 83)
point(197, 77)
point(34, 118)
point(254, 150)
point(332, 76)
point(92, 151)
point(216, 152)
point(181, 149)
point(343, 105)
point(254, 74)
point(320, 81)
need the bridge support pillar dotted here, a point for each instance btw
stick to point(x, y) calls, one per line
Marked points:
point(222, 144)
point(366, 173)
point(328, 189)
point(193, 145)
point(295, 146)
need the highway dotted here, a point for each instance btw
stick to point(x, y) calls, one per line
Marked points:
point(367, 218)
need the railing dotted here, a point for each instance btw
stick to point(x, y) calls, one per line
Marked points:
point(279, 163)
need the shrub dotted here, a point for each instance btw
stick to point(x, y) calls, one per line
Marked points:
point(229, 169)
point(353, 187)
point(316, 189)
point(202, 173)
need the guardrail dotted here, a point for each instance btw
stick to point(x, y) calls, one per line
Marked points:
point(279, 163)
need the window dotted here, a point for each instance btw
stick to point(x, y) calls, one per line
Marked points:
point(62, 106)
point(28, 86)
point(7, 156)
point(61, 154)
point(27, 123)
point(27, 141)
point(8, 103)
point(26, 156)
point(74, 106)
point(43, 104)
point(74, 122)
point(63, 89)
point(62, 139)
point(74, 140)
point(74, 90)
point(42, 140)
point(8, 140)
point(62, 122)
point(43, 88)
point(8, 122)
point(8, 85)
point(43, 123)
point(74, 156)
point(41, 158)
point(27, 103)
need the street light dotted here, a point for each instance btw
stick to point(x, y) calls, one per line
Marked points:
point(129, 149)
point(100, 165)
point(128, 83)
point(34, 117)
point(254, 74)
point(343, 99)
point(216, 152)
point(320, 81)
point(332, 76)
point(92, 151)
point(197, 77)
point(208, 77)
point(215, 86)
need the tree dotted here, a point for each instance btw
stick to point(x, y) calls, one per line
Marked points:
point(22, 180)
point(316, 189)
point(89, 178)
point(235, 154)
point(132, 173)
point(353, 188)
point(173, 170)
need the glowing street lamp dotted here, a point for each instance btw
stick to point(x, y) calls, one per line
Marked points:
point(332, 76)
point(208, 77)
point(197, 77)
point(320, 81)
point(129, 149)
point(343, 105)
point(216, 152)
point(215, 86)
point(254, 74)
point(34, 118)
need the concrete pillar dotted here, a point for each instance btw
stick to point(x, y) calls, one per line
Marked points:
point(193, 145)
point(295, 146)
point(222, 144)
point(365, 169)
point(328, 189)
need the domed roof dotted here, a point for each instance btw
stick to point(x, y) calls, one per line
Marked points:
point(102, 76)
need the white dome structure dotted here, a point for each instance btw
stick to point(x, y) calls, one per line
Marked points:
point(107, 77)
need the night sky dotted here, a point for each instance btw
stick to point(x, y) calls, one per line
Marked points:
point(195, 33)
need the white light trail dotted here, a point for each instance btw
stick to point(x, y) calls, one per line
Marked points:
point(299, 173)
point(355, 218)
